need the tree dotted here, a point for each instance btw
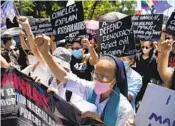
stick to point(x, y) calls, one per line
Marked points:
point(92, 9)
point(27, 7)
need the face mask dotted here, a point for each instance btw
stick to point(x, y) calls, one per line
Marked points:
point(77, 53)
point(32, 60)
point(126, 64)
point(145, 51)
point(101, 87)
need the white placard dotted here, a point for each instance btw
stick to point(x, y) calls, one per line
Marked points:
point(157, 107)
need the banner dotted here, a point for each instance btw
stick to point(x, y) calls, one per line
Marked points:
point(157, 107)
point(170, 26)
point(25, 102)
point(42, 28)
point(68, 22)
point(117, 38)
point(147, 27)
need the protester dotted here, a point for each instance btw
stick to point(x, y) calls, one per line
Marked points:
point(10, 55)
point(83, 58)
point(133, 78)
point(146, 66)
point(102, 92)
point(37, 68)
point(63, 57)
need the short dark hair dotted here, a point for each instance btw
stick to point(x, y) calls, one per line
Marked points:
point(6, 38)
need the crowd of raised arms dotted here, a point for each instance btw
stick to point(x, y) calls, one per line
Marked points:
point(112, 87)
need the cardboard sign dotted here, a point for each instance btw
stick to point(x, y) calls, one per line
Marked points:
point(68, 22)
point(157, 107)
point(117, 38)
point(42, 28)
point(170, 26)
point(147, 27)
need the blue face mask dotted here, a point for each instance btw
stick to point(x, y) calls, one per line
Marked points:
point(77, 53)
point(126, 64)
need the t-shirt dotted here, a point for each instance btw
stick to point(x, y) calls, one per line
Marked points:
point(147, 68)
point(81, 67)
point(83, 87)
point(42, 72)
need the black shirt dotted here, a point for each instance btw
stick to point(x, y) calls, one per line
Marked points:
point(82, 68)
point(147, 68)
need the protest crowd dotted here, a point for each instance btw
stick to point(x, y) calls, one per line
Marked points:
point(101, 78)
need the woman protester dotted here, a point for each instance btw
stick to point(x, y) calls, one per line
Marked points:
point(146, 66)
point(37, 68)
point(109, 79)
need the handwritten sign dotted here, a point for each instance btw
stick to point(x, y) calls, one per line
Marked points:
point(68, 22)
point(147, 27)
point(170, 27)
point(117, 38)
point(157, 107)
point(42, 28)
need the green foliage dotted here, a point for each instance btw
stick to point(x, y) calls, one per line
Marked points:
point(92, 8)
point(27, 7)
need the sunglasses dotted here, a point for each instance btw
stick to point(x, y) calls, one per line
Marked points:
point(145, 47)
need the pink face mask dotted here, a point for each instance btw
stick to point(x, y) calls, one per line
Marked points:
point(101, 87)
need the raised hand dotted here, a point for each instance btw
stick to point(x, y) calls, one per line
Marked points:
point(85, 42)
point(43, 43)
point(23, 21)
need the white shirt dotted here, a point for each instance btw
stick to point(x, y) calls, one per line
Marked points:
point(134, 80)
point(76, 100)
point(83, 87)
point(42, 72)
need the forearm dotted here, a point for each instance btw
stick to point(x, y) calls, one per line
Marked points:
point(59, 72)
point(163, 67)
point(23, 44)
point(33, 46)
point(93, 56)
point(53, 46)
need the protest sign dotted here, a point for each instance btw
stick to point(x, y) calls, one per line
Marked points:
point(25, 102)
point(117, 38)
point(147, 27)
point(157, 107)
point(42, 28)
point(68, 22)
point(170, 26)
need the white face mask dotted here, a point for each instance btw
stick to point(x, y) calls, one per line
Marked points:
point(146, 51)
point(32, 60)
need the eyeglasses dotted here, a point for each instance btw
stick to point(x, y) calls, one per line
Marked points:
point(99, 77)
point(145, 47)
point(76, 48)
